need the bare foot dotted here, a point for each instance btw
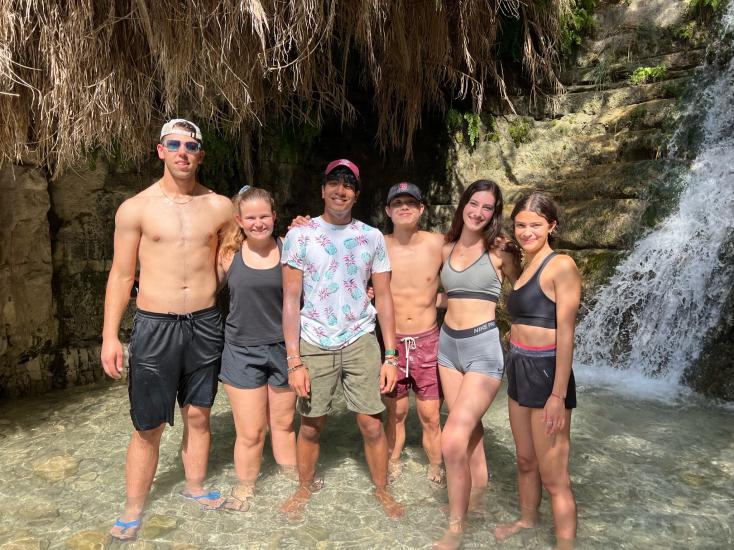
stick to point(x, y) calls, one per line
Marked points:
point(236, 504)
point(294, 507)
point(392, 507)
point(505, 530)
point(394, 469)
point(436, 474)
point(125, 529)
point(451, 539)
point(239, 499)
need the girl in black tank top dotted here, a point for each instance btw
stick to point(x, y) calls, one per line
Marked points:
point(254, 369)
point(540, 384)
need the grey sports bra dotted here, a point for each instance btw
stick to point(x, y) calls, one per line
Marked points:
point(478, 281)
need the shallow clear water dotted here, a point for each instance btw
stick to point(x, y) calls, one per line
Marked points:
point(647, 474)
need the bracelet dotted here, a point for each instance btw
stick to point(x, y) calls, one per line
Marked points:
point(391, 352)
point(558, 396)
point(295, 368)
point(391, 362)
point(289, 357)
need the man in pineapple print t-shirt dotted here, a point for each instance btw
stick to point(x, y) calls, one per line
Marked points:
point(331, 340)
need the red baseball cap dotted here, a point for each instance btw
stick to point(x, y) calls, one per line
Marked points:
point(342, 162)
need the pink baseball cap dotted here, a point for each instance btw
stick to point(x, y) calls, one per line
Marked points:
point(342, 162)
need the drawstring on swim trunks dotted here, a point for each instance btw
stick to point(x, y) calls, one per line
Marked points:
point(409, 342)
point(186, 319)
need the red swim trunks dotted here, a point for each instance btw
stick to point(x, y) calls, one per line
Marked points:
point(418, 365)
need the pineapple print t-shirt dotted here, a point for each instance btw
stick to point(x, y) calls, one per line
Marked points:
point(337, 261)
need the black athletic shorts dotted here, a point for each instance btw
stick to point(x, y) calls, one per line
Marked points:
point(248, 367)
point(173, 356)
point(530, 377)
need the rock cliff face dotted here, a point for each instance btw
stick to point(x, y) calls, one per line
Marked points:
point(599, 149)
point(28, 327)
point(56, 242)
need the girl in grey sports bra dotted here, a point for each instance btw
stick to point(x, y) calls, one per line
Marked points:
point(478, 281)
point(464, 353)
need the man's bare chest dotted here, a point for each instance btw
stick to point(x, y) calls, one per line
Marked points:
point(175, 227)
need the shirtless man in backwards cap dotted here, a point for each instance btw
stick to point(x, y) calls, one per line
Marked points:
point(171, 229)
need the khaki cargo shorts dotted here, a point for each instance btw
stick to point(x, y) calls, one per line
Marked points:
point(356, 367)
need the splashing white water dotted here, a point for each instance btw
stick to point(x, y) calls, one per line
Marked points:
point(650, 320)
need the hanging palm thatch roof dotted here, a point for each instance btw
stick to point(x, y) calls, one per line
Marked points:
point(82, 74)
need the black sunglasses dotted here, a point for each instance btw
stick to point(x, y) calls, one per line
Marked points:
point(173, 145)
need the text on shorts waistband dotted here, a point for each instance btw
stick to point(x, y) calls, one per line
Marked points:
point(469, 332)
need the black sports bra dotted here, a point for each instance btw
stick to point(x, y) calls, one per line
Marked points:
point(528, 305)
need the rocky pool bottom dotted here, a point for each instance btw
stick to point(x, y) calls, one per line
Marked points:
point(647, 474)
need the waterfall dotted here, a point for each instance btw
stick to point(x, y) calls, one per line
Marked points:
point(647, 324)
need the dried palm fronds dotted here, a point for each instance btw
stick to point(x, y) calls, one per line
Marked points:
point(77, 75)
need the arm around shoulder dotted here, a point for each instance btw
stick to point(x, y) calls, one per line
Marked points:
point(511, 267)
point(292, 290)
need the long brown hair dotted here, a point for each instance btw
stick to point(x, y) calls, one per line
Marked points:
point(234, 236)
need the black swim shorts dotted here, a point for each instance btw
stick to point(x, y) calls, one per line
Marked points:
point(173, 356)
point(530, 377)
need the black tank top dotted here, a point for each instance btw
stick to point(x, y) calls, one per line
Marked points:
point(528, 305)
point(255, 303)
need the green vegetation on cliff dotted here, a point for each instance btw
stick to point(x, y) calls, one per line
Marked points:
point(644, 75)
point(576, 24)
point(467, 127)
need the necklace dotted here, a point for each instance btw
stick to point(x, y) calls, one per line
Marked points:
point(191, 197)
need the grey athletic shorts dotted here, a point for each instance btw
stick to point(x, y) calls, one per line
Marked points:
point(476, 349)
point(248, 367)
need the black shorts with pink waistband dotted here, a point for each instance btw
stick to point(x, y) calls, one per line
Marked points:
point(531, 374)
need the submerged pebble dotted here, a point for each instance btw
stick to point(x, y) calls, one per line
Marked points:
point(89, 540)
point(157, 525)
point(56, 468)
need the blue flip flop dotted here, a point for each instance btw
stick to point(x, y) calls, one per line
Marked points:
point(211, 495)
point(125, 526)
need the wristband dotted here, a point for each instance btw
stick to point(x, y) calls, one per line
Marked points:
point(391, 352)
point(558, 396)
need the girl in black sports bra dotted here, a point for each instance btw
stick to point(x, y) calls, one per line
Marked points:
point(540, 384)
